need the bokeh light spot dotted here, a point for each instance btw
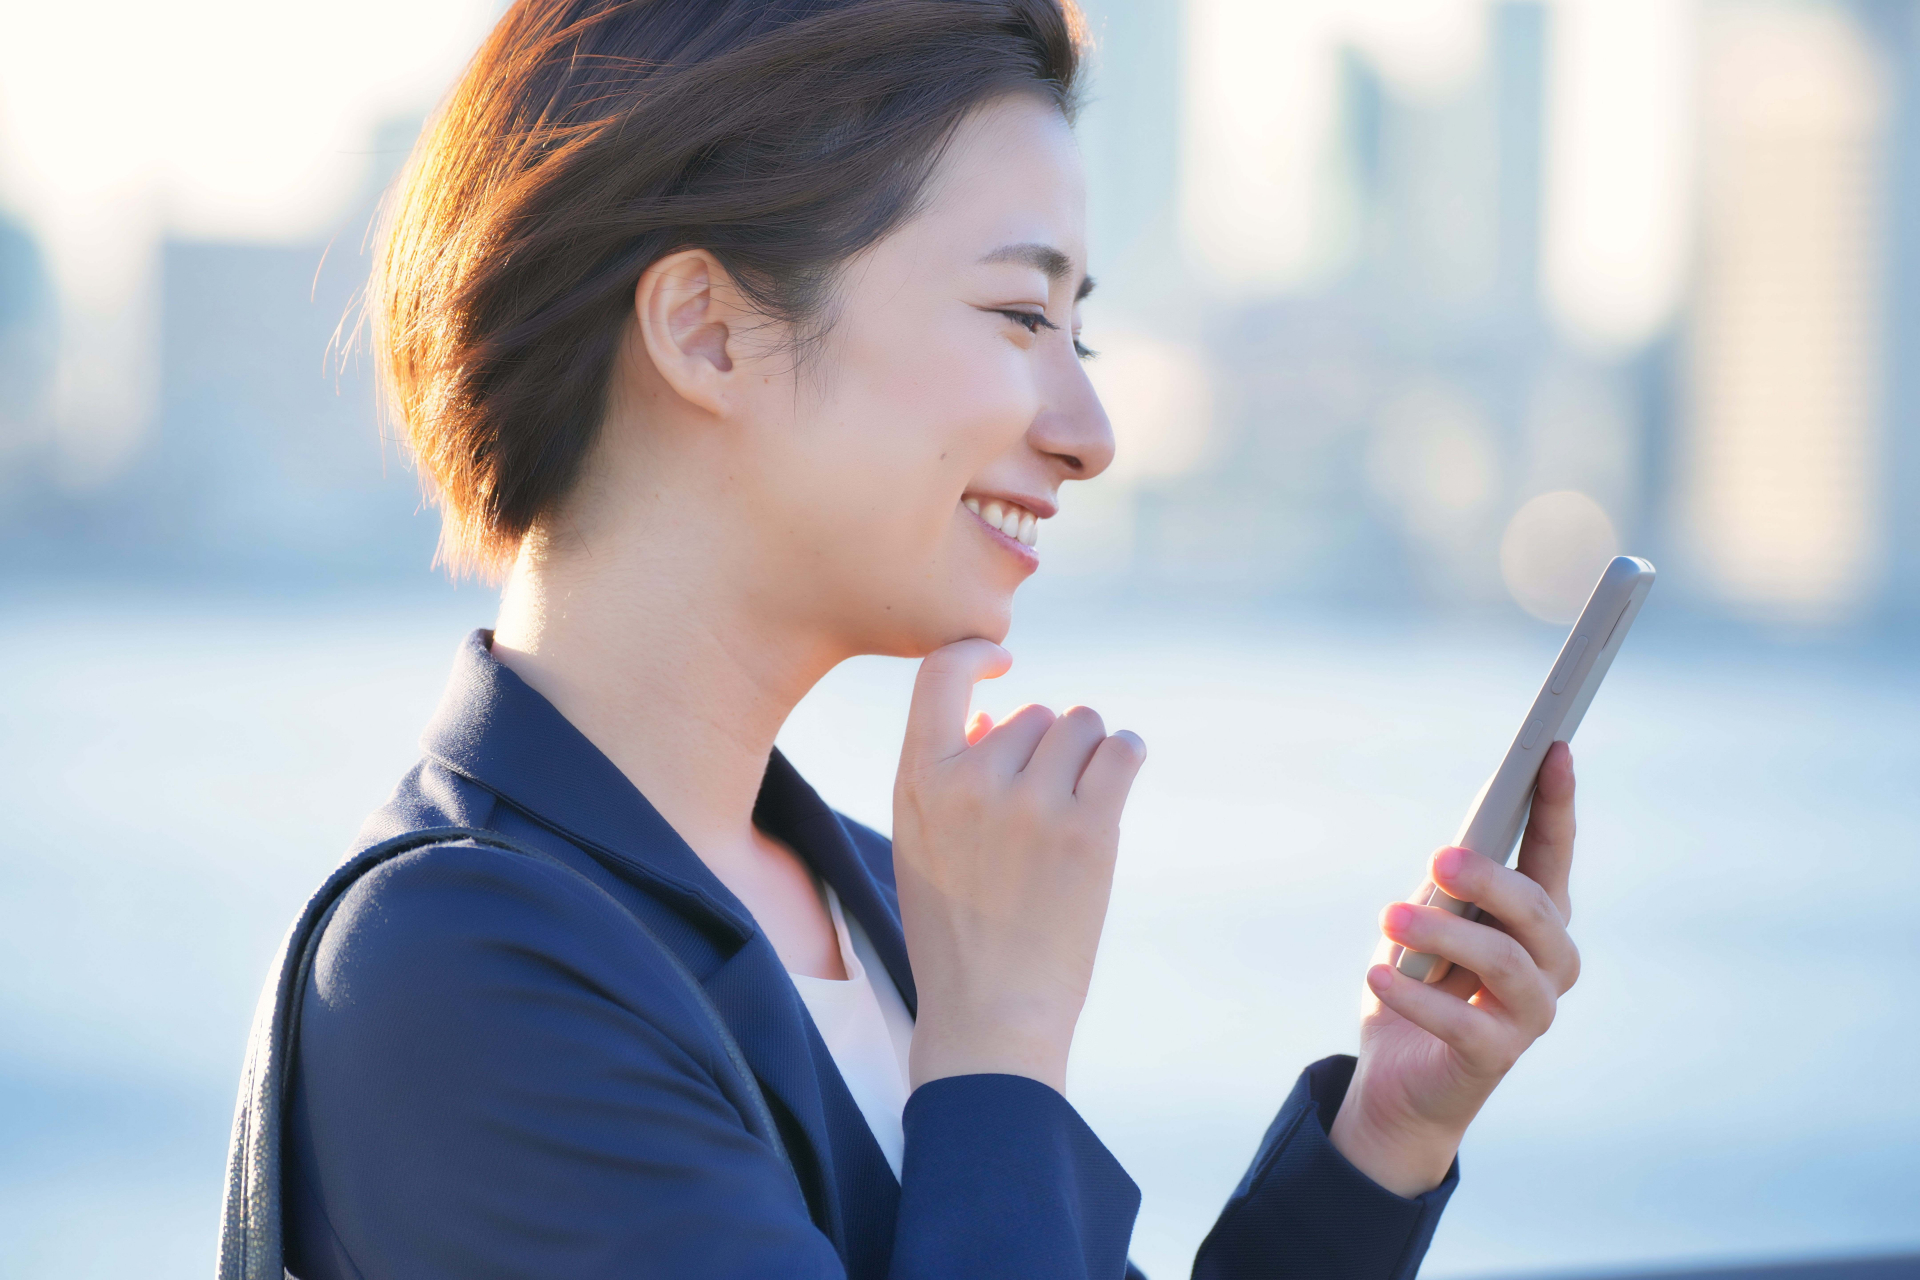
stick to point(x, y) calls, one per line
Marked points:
point(1553, 551)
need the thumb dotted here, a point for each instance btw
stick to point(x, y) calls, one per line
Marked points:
point(936, 722)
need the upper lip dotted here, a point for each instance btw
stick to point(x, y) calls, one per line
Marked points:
point(1041, 508)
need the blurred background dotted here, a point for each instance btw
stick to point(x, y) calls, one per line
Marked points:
point(1411, 313)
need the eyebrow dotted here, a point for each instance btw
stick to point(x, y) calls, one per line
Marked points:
point(1045, 259)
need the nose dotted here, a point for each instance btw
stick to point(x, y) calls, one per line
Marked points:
point(1072, 430)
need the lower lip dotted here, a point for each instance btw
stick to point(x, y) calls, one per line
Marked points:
point(1027, 555)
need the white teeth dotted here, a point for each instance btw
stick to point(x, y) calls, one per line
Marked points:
point(1015, 522)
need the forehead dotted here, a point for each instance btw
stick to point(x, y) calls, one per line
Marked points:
point(1011, 175)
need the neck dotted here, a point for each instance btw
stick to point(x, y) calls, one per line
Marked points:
point(672, 676)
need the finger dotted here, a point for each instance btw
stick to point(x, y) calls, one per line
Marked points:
point(1546, 852)
point(978, 727)
point(1109, 775)
point(1063, 754)
point(1008, 746)
point(1460, 981)
point(1504, 967)
point(1385, 951)
point(941, 692)
point(1474, 1034)
point(1520, 905)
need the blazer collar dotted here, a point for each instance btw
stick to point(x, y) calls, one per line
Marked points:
point(496, 730)
point(493, 727)
point(791, 809)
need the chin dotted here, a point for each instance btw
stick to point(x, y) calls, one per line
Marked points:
point(991, 620)
point(986, 618)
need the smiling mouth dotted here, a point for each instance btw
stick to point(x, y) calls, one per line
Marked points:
point(1014, 521)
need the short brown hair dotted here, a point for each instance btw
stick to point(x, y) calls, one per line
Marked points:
point(590, 138)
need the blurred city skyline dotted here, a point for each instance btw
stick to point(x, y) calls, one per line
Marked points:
point(1410, 311)
point(1423, 300)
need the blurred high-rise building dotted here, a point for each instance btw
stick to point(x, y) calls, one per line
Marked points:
point(28, 325)
point(1784, 504)
point(1129, 132)
point(1893, 27)
point(264, 456)
point(1380, 435)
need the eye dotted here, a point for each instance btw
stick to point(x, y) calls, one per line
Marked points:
point(1033, 322)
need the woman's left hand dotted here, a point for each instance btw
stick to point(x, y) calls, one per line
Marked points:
point(1431, 1055)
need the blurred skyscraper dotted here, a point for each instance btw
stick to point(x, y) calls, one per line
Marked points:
point(1894, 27)
point(1378, 437)
point(1799, 492)
point(1403, 421)
point(1130, 135)
point(28, 325)
point(1785, 506)
point(265, 457)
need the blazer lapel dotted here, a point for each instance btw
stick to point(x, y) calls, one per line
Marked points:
point(791, 809)
point(497, 731)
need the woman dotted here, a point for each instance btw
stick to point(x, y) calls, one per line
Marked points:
point(741, 335)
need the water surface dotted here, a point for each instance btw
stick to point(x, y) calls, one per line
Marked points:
point(1731, 1078)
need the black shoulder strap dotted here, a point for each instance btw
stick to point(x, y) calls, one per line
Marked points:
point(251, 1241)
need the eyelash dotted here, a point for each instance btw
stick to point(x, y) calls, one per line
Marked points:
point(1034, 322)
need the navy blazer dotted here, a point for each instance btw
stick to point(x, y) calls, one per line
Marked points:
point(495, 1075)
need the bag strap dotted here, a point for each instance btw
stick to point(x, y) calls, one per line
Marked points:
point(252, 1243)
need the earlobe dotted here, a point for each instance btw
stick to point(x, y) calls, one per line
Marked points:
point(681, 307)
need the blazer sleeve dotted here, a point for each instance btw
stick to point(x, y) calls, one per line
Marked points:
point(1303, 1210)
point(495, 1078)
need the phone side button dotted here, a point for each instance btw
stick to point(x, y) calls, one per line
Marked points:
point(1532, 735)
point(1573, 660)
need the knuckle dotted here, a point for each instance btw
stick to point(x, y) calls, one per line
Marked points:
point(1510, 959)
point(942, 664)
point(1086, 718)
point(1540, 906)
point(1479, 1043)
point(1548, 1012)
point(1034, 711)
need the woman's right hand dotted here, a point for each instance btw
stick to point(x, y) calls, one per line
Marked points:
point(1004, 839)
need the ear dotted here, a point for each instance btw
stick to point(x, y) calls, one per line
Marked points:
point(688, 312)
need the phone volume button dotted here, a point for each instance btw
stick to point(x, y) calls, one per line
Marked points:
point(1566, 667)
point(1532, 735)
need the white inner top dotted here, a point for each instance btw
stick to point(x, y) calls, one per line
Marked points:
point(867, 1029)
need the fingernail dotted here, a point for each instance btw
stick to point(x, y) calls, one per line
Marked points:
point(1380, 977)
point(1450, 862)
point(1399, 916)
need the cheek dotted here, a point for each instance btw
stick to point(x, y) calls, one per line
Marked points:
point(910, 414)
point(945, 397)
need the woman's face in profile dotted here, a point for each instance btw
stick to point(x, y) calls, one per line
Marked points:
point(907, 471)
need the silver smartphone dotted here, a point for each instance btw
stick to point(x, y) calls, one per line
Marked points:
point(1499, 812)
